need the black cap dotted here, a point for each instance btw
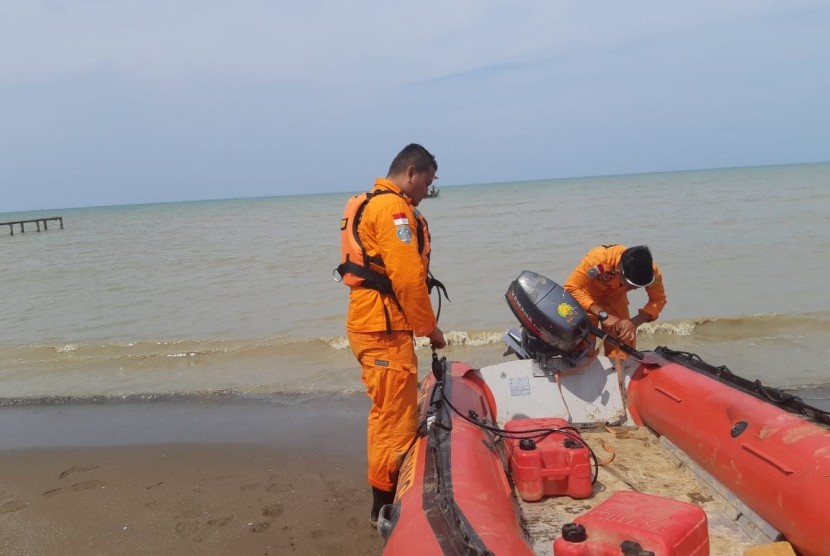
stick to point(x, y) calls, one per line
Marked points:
point(527, 444)
point(574, 532)
point(637, 266)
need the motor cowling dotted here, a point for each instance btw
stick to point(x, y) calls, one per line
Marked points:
point(552, 321)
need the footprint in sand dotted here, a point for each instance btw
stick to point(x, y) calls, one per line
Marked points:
point(260, 527)
point(273, 511)
point(187, 530)
point(77, 469)
point(197, 531)
point(220, 522)
point(86, 485)
point(277, 486)
point(12, 506)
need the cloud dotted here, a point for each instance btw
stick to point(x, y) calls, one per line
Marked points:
point(312, 94)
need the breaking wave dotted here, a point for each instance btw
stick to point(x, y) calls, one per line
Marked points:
point(226, 369)
point(731, 328)
point(173, 353)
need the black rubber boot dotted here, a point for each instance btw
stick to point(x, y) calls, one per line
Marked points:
point(380, 499)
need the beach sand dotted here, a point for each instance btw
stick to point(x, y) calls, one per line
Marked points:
point(213, 478)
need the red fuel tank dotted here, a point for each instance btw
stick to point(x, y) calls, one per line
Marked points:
point(548, 458)
point(662, 526)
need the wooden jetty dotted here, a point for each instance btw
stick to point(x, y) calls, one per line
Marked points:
point(35, 221)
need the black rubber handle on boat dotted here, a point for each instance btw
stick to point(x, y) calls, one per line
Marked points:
point(638, 355)
point(438, 366)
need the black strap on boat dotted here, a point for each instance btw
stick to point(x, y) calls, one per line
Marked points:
point(775, 396)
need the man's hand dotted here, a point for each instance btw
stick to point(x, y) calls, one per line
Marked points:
point(610, 324)
point(622, 329)
point(626, 331)
point(436, 339)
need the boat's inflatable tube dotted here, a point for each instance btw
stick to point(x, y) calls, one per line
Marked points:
point(778, 463)
point(453, 496)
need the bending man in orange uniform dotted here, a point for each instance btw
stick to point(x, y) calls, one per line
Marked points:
point(601, 282)
point(385, 261)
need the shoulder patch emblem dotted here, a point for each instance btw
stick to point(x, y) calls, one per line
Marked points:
point(404, 233)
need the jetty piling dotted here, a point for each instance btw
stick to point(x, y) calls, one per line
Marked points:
point(36, 221)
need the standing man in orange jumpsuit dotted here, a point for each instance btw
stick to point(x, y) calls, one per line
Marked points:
point(601, 282)
point(385, 261)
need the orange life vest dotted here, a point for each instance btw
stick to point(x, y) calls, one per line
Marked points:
point(357, 268)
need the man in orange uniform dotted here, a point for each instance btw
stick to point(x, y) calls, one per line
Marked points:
point(382, 320)
point(601, 282)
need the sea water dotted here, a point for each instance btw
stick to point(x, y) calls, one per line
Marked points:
point(237, 297)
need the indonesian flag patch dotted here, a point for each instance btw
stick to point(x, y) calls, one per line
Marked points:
point(601, 273)
point(400, 219)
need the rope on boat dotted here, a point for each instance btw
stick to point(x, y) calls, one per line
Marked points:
point(611, 451)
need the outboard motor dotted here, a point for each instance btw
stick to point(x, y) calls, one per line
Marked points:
point(553, 325)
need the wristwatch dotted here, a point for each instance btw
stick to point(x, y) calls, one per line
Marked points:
point(602, 315)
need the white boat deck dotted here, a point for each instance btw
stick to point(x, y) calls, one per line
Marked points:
point(642, 461)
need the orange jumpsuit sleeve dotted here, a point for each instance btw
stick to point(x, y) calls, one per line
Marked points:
point(656, 296)
point(579, 284)
point(404, 266)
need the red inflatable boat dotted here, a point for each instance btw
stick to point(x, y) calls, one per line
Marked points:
point(466, 484)
point(776, 461)
point(453, 495)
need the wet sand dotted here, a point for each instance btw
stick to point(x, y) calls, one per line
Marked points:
point(212, 478)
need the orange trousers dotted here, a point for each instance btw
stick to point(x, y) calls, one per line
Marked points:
point(390, 373)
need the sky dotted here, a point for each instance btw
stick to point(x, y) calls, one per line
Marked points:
point(107, 102)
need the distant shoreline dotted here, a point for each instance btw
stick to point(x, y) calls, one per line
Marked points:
point(137, 203)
